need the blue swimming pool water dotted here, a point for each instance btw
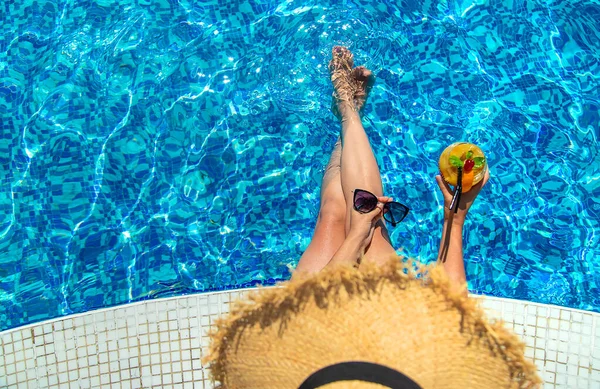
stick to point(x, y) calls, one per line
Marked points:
point(152, 148)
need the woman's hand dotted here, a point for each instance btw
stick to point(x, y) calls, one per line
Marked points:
point(466, 199)
point(362, 225)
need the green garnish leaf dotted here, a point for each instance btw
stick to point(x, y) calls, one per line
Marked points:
point(479, 161)
point(469, 154)
point(455, 161)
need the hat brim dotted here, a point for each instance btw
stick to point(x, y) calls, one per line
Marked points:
point(414, 321)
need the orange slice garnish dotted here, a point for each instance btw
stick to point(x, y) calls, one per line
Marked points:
point(467, 181)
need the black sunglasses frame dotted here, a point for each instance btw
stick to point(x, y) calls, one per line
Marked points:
point(386, 208)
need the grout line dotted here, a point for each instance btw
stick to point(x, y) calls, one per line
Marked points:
point(595, 334)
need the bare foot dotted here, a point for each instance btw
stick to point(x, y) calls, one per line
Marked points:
point(363, 81)
point(351, 86)
point(340, 68)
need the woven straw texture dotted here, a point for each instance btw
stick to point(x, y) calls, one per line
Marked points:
point(418, 324)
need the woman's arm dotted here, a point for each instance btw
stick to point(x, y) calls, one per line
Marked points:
point(350, 252)
point(450, 254)
point(360, 235)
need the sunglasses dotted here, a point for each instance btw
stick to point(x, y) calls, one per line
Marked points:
point(393, 212)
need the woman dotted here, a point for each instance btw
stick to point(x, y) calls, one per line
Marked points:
point(342, 233)
point(381, 325)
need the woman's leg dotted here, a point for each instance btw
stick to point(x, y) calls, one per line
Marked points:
point(329, 232)
point(358, 166)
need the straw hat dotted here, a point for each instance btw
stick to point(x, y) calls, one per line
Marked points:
point(375, 327)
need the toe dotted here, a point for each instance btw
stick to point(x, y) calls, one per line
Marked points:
point(361, 73)
point(342, 55)
point(340, 51)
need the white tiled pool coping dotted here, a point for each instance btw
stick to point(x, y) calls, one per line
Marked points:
point(159, 343)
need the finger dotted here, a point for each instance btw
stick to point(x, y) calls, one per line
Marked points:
point(486, 177)
point(481, 183)
point(377, 211)
point(378, 216)
point(444, 187)
point(384, 199)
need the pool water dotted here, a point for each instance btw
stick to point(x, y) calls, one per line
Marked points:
point(154, 148)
